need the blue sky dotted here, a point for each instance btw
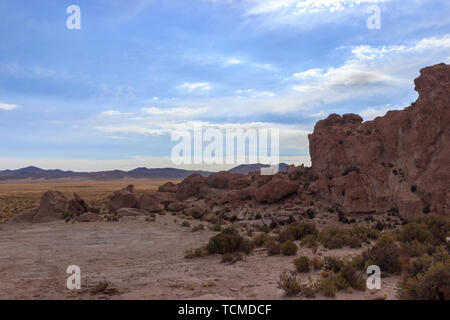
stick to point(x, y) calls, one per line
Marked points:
point(108, 95)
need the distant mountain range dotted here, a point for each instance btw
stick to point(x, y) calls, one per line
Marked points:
point(34, 173)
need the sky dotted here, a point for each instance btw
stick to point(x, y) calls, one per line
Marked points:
point(109, 95)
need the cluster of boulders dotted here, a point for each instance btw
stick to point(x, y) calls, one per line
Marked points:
point(55, 206)
point(396, 163)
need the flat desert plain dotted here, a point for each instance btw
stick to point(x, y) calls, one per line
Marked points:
point(17, 197)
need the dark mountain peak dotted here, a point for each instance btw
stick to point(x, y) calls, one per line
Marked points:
point(246, 168)
point(30, 169)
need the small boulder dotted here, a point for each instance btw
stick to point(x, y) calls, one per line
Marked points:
point(89, 217)
point(168, 187)
point(53, 207)
point(176, 206)
point(124, 198)
point(131, 212)
point(23, 217)
point(275, 190)
point(192, 186)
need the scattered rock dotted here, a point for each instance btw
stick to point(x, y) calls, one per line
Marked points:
point(89, 217)
point(53, 206)
point(131, 212)
point(124, 198)
point(23, 217)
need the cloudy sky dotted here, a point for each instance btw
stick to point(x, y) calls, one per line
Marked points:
point(109, 95)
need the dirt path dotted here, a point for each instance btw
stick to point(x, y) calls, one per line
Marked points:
point(141, 259)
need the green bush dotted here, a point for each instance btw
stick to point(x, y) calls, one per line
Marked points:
point(434, 284)
point(333, 264)
point(289, 283)
point(335, 237)
point(385, 254)
point(297, 231)
point(327, 286)
point(429, 229)
point(350, 273)
point(310, 241)
point(273, 247)
point(228, 241)
point(316, 263)
point(289, 248)
point(302, 264)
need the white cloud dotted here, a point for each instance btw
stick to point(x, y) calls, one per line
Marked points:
point(112, 113)
point(257, 7)
point(372, 113)
point(255, 94)
point(369, 70)
point(7, 107)
point(190, 87)
point(181, 112)
point(234, 62)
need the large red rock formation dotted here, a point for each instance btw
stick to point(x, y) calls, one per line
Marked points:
point(400, 161)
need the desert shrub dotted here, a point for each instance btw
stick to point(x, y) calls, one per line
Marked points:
point(333, 264)
point(434, 284)
point(335, 237)
point(228, 241)
point(200, 227)
point(417, 266)
point(310, 241)
point(297, 231)
point(417, 249)
point(430, 229)
point(288, 248)
point(195, 253)
point(358, 262)
point(316, 263)
point(289, 283)
point(327, 286)
point(415, 232)
point(352, 277)
point(385, 254)
point(273, 247)
point(427, 277)
point(259, 239)
point(341, 283)
point(186, 224)
point(302, 264)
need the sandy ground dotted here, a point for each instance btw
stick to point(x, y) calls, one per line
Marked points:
point(142, 260)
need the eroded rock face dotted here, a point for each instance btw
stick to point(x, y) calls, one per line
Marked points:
point(397, 161)
point(192, 186)
point(276, 189)
point(228, 180)
point(124, 198)
point(53, 206)
point(168, 187)
point(77, 205)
